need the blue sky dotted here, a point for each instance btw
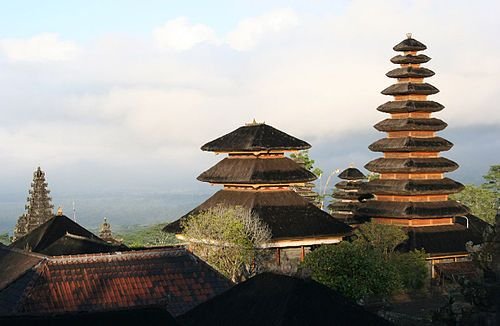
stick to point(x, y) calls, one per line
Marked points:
point(120, 95)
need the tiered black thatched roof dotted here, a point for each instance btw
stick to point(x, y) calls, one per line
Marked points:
point(410, 89)
point(62, 236)
point(411, 165)
point(256, 171)
point(406, 59)
point(409, 44)
point(255, 137)
point(351, 174)
point(413, 186)
point(408, 106)
point(411, 124)
point(413, 210)
point(287, 214)
point(270, 299)
point(346, 196)
point(411, 144)
point(410, 72)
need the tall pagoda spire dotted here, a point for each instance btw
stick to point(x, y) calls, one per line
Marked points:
point(38, 209)
point(412, 190)
point(257, 175)
point(105, 231)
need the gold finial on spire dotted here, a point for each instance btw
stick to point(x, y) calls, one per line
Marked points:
point(351, 165)
point(59, 211)
point(253, 123)
point(408, 35)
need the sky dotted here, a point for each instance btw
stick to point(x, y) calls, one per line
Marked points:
point(118, 96)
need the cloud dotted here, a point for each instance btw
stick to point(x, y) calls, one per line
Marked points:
point(39, 48)
point(249, 32)
point(180, 34)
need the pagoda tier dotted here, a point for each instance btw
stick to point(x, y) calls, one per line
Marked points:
point(412, 189)
point(257, 175)
point(346, 202)
point(306, 189)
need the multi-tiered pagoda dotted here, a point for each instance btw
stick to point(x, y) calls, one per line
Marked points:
point(38, 209)
point(257, 175)
point(346, 196)
point(412, 190)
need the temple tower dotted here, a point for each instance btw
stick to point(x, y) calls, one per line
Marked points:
point(105, 231)
point(38, 209)
point(257, 175)
point(346, 196)
point(412, 190)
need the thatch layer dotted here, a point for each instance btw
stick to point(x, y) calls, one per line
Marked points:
point(406, 59)
point(417, 210)
point(409, 44)
point(411, 124)
point(348, 195)
point(287, 214)
point(411, 165)
point(255, 170)
point(410, 89)
point(412, 187)
point(411, 144)
point(255, 137)
point(349, 185)
point(410, 72)
point(409, 106)
point(351, 174)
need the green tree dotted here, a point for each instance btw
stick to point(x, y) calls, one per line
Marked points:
point(481, 201)
point(5, 238)
point(302, 157)
point(411, 267)
point(379, 237)
point(228, 238)
point(492, 178)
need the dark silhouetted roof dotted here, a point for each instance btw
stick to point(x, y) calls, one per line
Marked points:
point(349, 185)
point(410, 106)
point(411, 124)
point(255, 137)
point(62, 236)
point(14, 263)
point(409, 44)
point(410, 88)
point(270, 299)
point(254, 170)
point(351, 174)
point(411, 144)
point(410, 72)
point(411, 165)
point(147, 316)
point(167, 277)
point(405, 59)
point(412, 186)
point(393, 209)
point(287, 214)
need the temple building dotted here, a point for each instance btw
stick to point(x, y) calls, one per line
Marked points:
point(412, 191)
point(346, 196)
point(106, 234)
point(257, 175)
point(39, 208)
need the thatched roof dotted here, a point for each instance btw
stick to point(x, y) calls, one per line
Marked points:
point(411, 144)
point(349, 185)
point(254, 170)
point(409, 44)
point(271, 299)
point(351, 174)
point(410, 106)
point(347, 195)
point(255, 137)
point(412, 210)
point(410, 72)
point(411, 124)
point(410, 89)
point(287, 214)
point(14, 263)
point(411, 165)
point(412, 187)
point(405, 59)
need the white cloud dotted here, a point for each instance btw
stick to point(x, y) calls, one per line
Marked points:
point(39, 48)
point(249, 32)
point(180, 34)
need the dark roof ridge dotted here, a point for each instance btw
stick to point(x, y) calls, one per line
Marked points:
point(138, 253)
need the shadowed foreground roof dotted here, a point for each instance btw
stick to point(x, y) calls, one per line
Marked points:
point(270, 299)
point(287, 214)
point(62, 236)
point(149, 316)
point(255, 137)
point(14, 263)
point(168, 277)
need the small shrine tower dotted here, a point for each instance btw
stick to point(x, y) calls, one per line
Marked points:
point(39, 208)
point(257, 175)
point(105, 231)
point(412, 189)
point(346, 196)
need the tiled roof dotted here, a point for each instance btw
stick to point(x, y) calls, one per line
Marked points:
point(169, 277)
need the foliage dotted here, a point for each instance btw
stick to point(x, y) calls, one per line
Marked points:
point(352, 270)
point(373, 176)
point(492, 178)
point(228, 238)
point(146, 236)
point(481, 201)
point(5, 238)
point(369, 265)
point(303, 157)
